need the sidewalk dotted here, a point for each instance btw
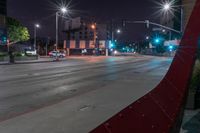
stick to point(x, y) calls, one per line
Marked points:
point(191, 122)
point(40, 60)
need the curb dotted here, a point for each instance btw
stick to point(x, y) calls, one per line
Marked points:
point(17, 63)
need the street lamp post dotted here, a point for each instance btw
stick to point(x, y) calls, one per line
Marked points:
point(168, 7)
point(182, 13)
point(118, 31)
point(56, 30)
point(94, 28)
point(63, 10)
point(36, 26)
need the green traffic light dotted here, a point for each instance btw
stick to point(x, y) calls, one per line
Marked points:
point(4, 39)
point(157, 40)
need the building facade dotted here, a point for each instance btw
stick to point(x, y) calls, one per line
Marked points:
point(86, 37)
point(3, 13)
point(187, 10)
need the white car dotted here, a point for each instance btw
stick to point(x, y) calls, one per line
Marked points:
point(57, 54)
point(31, 52)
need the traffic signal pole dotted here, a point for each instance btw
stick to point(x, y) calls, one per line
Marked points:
point(147, 22)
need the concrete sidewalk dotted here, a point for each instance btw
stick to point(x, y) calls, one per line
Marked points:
point(191, 122)
point(40, 60)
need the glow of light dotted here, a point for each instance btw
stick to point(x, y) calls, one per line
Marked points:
point(37, 26)
point(166, 9)
point(118, 31)
point(167, 6)
point(62, 6)
point(63, 9)
point(170, 47)
point(157, 40)
point(93, 26)
point(163, 30)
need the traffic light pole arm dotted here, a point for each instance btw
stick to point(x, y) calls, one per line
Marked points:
point(63, 16)
point(155, 24)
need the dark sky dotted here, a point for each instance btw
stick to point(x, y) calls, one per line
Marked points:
point(43, 12)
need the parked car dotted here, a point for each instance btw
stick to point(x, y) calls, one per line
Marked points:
point(29, 52)
point(59, 54)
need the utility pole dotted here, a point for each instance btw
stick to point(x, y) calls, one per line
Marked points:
point(182, 13)
point(47, 43)
point(112, 32)
point(62, 10)
point(152, 23)
point(56, 45)
point(35, 35)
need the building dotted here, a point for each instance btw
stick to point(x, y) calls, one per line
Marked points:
point(187, 10)
point(84, 36)
point(3, 13)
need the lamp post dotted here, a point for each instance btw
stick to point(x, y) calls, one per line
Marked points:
point(93, 27)
point(63, 10)
point(168, 7)
point(118, 31)
point(36, 26)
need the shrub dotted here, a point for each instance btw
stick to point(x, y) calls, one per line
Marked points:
point(19, 54)
point(2, 54)
point(195, 81)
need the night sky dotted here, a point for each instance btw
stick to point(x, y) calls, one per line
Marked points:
point(43, 12)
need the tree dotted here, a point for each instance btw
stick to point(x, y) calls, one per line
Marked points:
point(16, 31)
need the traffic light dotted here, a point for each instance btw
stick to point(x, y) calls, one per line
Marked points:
point(147, 23)
point(157, 40)
point(171, 48)
point(123, 23)
point(3, 40)
point(111, 45)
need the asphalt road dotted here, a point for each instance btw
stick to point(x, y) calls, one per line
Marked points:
point(88, 91)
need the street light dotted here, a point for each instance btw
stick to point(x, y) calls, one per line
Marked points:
point(118, 31)
point(62, 10)
point(94, 28)
point(36, 26)
point(163, 30)
point(168, 7)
